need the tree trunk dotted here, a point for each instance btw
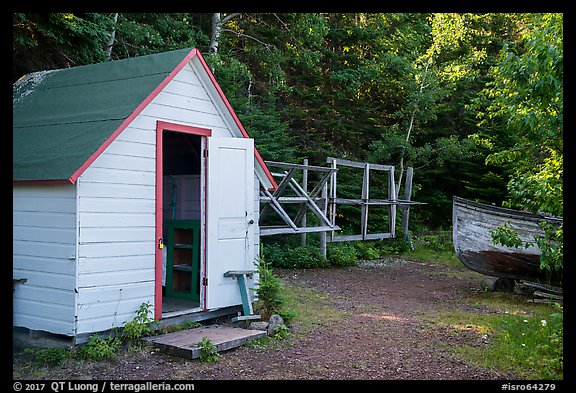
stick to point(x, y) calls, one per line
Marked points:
point(411, 125)
point(216, 29)
point(112, 37)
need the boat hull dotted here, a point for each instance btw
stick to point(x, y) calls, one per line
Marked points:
point(472, 223)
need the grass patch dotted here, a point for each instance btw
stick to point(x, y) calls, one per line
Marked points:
point(523, 338)
point(434, 247)
point(310, 308)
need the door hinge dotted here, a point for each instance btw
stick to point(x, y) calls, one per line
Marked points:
point(205, 281)
point(205, 153)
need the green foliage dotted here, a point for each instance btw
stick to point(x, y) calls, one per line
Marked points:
point(43, 41)
point(208, 351)
point(525, 98)
point(269, 291)
point(140, 325)
point(366, 251)
point(188, 324)
point(507, 236)
point(48, 356)
point(551, 247)
point(526, 342)
point(341, 254)
point(294, 257)
point(481, 93)
point(99, 348)
point(280, 332)
point(140, 34)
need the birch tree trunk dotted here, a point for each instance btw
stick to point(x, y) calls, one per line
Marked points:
point(112, 38)
point(411, 125)
point(215, 35)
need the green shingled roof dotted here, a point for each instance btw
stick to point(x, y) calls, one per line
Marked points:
point(61, 117)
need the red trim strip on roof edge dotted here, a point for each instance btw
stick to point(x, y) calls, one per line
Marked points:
point(236, 119)
point(130, 118)
point(193, 53)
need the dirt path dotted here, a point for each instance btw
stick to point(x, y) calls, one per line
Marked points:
point(380, 327)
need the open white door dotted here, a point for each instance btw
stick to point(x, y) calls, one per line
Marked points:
point(230, 217)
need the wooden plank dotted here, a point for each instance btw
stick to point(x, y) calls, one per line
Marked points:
point(370, 236)
point(365, 196)
point(331, 197)
point(298, 166)
point(312, 197)
point(392, 208)
point(289, 199)
point(376, 202)
point(276, 206)
point(323, 236)
point(185, 343)
point(355, 164)
point(303, 205)
point(315, 209)
point(407, 196)
point(281, 187)
point(274, 230)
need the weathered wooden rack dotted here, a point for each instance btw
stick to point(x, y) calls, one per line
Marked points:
point(323, 201)
point(306, 199)
point(365, 202)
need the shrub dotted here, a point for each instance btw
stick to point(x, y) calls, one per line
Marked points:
point(268, 291)
point(295, 257)
point(140, 325)
point(342, 254)
point(48, 356)
point(208, 351)
point(367, 251)
point(99, 348)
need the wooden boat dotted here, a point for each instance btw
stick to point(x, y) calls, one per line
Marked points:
point(471, 225)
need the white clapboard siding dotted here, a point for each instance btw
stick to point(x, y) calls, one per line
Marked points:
point(125, 162)
point(61, 282)
point(44, 252)
point(62, 267)
point(88, 250)
point(97, 265)
point(110, 294)
point(116, 208)
point(130, 191)
point(43, 234)
point(145, 133)
point(118, 176)
point(203, 105)
point(47, 317)
point(44, 219)
point(117, 249)
point(56, 296)
point(109, 234)
point(112, 220)
point(107, 317)
point(115, 278)
point(128, 148)
point(116, 205)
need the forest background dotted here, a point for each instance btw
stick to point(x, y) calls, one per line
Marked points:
point(472, 101)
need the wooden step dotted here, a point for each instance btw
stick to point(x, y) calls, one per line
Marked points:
point(185, 342)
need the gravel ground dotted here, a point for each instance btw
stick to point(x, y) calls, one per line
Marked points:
point(381, 328)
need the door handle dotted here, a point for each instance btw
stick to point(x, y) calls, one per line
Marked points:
point(251, 222)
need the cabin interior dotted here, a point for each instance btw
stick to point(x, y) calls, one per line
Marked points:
point(182, 237)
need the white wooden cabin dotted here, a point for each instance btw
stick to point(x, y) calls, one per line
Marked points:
point(114, 165)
